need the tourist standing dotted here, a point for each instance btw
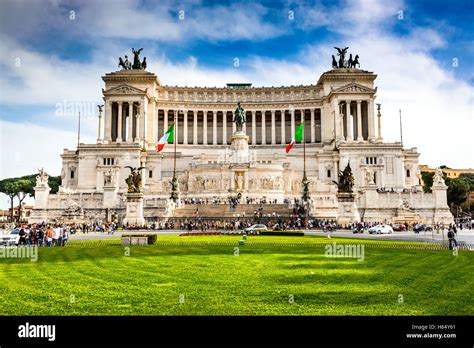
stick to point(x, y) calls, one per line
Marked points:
point(452, 240)
point(65, 237)
point(49, 236)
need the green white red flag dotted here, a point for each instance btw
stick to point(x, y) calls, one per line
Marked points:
point(298, 136)
point(168, 137)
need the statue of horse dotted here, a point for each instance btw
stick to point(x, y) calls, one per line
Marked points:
point(350, 61)
point(334, 62)
point(355, 62)
point(122, 64)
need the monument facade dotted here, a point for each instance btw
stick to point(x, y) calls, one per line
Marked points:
point(231, 140)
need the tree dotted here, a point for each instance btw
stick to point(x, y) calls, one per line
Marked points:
point(11, 189)
point(25, 189)
point(469, 177)
point(54, 182)
point(427, 181)
point(22, 187)
point(457, 191)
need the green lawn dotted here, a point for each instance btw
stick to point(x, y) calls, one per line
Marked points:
point(85, 280)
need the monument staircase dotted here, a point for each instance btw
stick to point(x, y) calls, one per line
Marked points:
point(225, 211)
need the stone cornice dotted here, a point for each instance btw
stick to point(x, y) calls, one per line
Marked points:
point(131, 75)
point(230, 106)
point(346, 75)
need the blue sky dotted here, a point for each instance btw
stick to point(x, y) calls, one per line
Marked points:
point(51, 57)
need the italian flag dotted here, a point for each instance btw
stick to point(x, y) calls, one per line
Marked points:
point(297, 137)
point(168, 137)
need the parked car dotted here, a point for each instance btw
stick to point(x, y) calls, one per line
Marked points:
point(254, 229)
point(11, 238)
point(380, 229)
point(422, 227)
point(399, 227)
point(358, 229)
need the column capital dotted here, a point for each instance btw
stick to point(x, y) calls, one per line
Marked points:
point(359, 101)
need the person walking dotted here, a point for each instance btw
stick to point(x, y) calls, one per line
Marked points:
point(452, 239)
point(49, 236)
point(65, 237)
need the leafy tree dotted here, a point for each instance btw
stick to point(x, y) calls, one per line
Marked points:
point(458, 189)
point(54, 182)
point(10, 188)
point(25, 189)
point(427, 181)
point(469, 177)
point(22, 187)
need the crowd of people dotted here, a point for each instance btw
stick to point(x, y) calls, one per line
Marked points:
point(42, 235)
point(231, 201)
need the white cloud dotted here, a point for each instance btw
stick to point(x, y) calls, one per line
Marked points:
point(165, 21)
point(25, 147)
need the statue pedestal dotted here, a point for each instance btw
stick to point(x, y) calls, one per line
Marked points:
point(40, 209)
point(371, 196)
point(347, 211)
point(441, 209)
point(239, 147)
point(110, 195)
point(134, 209)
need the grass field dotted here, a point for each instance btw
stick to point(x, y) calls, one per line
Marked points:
point(102, 280)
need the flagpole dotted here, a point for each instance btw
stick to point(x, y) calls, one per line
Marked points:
point(304, 149)
point(401, 131)
point(174, 181)
point(175, 140)
point(79, 129)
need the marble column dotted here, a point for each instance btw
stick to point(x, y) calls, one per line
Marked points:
point(99, 138)
point(195, 127)
point(379, 126)
point(137, 128)
point(224, 127)
point(119, 123)
point(292, 111)
point(273, 128)
point(214, 127)
point(130, 123)
point(360, 138)
point(204, 128)
point(370, 120)
point(108, 122)
point(313, 134)
point(185, 127)
point(165, 121)
point(176, 126)
point(349, 135)
point(263, 128)
point(254, 128)
point(337, 118)
point(234, 127)
point(283, 124)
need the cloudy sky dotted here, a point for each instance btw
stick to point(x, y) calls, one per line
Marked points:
point(53, 54)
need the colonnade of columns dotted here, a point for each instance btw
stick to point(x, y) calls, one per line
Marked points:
point(356, 120)
point(122, 121)
point(213, 127)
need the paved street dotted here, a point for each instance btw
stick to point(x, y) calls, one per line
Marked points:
point(465, 235)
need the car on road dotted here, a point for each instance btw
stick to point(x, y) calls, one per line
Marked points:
point(381, 229)
point(399, 228)
point(11, 238)
point(422, 227)
point(255, 229)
